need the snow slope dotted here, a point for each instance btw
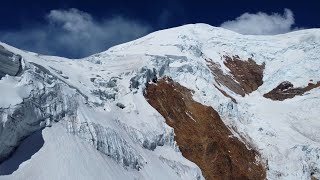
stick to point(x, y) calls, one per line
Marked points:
point(96, 124)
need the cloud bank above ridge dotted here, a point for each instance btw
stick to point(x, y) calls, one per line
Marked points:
point(262, 23)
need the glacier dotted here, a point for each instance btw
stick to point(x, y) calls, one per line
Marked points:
point(96, 123)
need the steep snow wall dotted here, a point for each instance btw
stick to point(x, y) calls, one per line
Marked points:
point(49, 101)
point(9, 63)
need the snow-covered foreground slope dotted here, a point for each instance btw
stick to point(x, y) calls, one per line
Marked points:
point(95, 123)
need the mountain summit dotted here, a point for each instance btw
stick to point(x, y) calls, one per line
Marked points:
point(192, 102)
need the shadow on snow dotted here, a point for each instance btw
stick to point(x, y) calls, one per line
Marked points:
point(30, 146)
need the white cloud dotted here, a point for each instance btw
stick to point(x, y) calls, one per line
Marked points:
point(71, 20)
point(74, 33)
point(261, 23)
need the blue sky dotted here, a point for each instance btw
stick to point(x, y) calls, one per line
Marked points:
point(78, 28)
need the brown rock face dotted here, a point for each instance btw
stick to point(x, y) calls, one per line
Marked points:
point(285, 90)
point(202, 136)
point(248, 73)
point(246, 76)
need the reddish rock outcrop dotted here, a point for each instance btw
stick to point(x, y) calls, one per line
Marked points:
point(202, 136)
point(246, 76)
point(248, 73)
point(285, 90)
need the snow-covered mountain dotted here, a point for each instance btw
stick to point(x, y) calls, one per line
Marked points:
point(190, 102)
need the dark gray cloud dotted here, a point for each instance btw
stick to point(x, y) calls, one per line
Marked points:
point(74, 33)
point(262, 23)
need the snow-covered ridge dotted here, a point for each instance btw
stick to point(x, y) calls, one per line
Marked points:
point(99, 101)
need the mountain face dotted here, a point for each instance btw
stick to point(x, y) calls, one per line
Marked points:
point(192, 102)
